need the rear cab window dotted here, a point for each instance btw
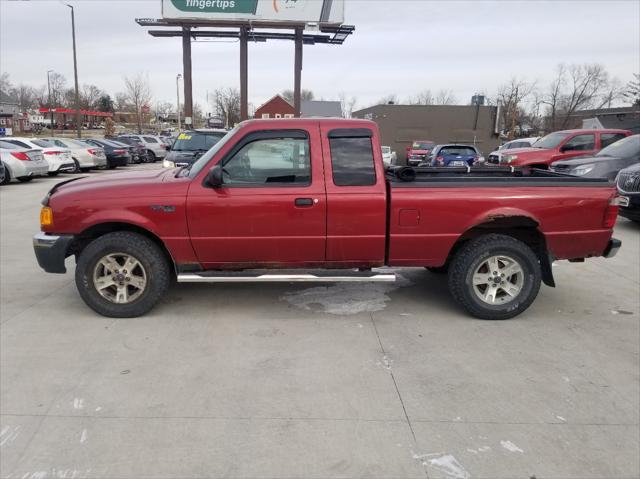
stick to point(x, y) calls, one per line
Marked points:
point(352, 160)
point(607, 139)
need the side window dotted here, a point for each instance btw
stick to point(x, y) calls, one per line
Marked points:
point(608, 138)
point(580, 143)
point(150, 139)
point(270, 162)
point(352, 161)
point(20, 144)
point(59, 143)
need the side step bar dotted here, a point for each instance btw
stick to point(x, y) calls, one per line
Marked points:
point(271, 277)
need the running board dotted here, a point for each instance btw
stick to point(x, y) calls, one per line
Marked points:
point(270, 277)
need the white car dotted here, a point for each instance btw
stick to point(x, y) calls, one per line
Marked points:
point(156, 147)
point(388, 156)
point(85, 157)
point(59, 159)
point(22, 164)
point(495, 157)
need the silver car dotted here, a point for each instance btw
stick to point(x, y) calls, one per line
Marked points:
point(22, 164)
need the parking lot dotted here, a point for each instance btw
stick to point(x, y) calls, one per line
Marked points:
point(299, 381)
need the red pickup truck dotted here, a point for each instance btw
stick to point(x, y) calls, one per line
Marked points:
point(310, 200)
point(560, 145)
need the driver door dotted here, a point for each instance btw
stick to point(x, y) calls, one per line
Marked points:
point(271, 208)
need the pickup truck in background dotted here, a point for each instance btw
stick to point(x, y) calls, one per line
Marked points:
point(419, 151)
point(310, 200)
point(559, 145)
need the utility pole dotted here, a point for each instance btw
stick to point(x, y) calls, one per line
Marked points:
point(178, 76)
point(50, 105)
point(75, 72)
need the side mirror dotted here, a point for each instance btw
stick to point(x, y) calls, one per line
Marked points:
point(214, 177)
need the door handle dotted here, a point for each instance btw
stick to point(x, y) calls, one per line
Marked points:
point(305, 202)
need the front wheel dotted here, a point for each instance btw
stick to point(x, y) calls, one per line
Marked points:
point(152, 156)
point(495, 277)
point(25, 179)
point(53, 173)
point(122, 275)
point(76, 166)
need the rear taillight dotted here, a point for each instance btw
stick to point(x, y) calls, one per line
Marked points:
point(440, 159)
point(53, 152)
point(119, 152)
point(93, 152)
point(611, 213)
point(20, 155)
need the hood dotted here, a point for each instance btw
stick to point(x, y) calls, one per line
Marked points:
point(585, 160)
point(525, 151)
point(117, 185)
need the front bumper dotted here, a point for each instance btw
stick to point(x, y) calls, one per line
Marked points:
point(612, 248)
point(51, 251)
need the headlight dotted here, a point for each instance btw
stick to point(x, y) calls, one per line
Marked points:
point(168, 164)
point(582, 170)
point(509, 158)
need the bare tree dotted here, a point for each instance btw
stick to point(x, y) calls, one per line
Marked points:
point(553, 98)
point(632, 91)
point(511, 97)
point(90, 96)
point(423, 98)
point(5, 82)
point(305, 95)
point(347, 104)
point(445, 97)
point(138, 94)
point(121, 102)
point(226, 105)
point(391, 99)
point(24, 95)
point(40, 96)
point(57, 83)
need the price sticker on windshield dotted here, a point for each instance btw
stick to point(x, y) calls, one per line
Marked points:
point(182, 136)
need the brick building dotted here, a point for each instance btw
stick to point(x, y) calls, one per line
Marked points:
point(276, 107)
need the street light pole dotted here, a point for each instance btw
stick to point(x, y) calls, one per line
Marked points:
point(75, 71)
point(178, 76)
point(50, 105)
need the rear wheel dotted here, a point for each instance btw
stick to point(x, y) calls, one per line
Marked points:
point(495, 277)
point(76, 166)
point(25, 179)
point(53, 173)
point(152, 156)
point(122, 275)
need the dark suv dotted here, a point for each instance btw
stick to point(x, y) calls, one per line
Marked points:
point(628, 182)
point(191, 145)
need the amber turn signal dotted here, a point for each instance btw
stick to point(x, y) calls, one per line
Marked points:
point(46, 216)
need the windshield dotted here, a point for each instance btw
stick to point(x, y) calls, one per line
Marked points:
point(386, 149)
point(418, 145)
point(204, 159)
point(457, 150)
point(196, 141)
point(550, 141)
point(42, 143)
point(625, 148)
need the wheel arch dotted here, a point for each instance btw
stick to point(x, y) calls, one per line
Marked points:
point(100, 229)
point(521, 227)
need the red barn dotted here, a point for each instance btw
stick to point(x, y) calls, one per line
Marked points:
point(276, 107)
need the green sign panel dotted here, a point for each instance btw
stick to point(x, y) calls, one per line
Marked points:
point(216, 6)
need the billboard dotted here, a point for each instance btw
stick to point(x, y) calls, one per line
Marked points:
point(256, 11)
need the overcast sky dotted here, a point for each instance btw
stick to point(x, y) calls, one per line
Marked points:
point(399, 47)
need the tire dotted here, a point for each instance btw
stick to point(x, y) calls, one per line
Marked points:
point(152, 266)
point(53, 173)
point(6, 179)
point(25, 179)
point(152, 156)
point(76, 169)
point(438, 269)
point(474, 258)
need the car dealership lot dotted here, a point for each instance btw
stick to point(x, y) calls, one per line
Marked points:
point(350, 380)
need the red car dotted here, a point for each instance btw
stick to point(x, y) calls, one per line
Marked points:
point(560, 145)
point(276, 200)
point(419, 151)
